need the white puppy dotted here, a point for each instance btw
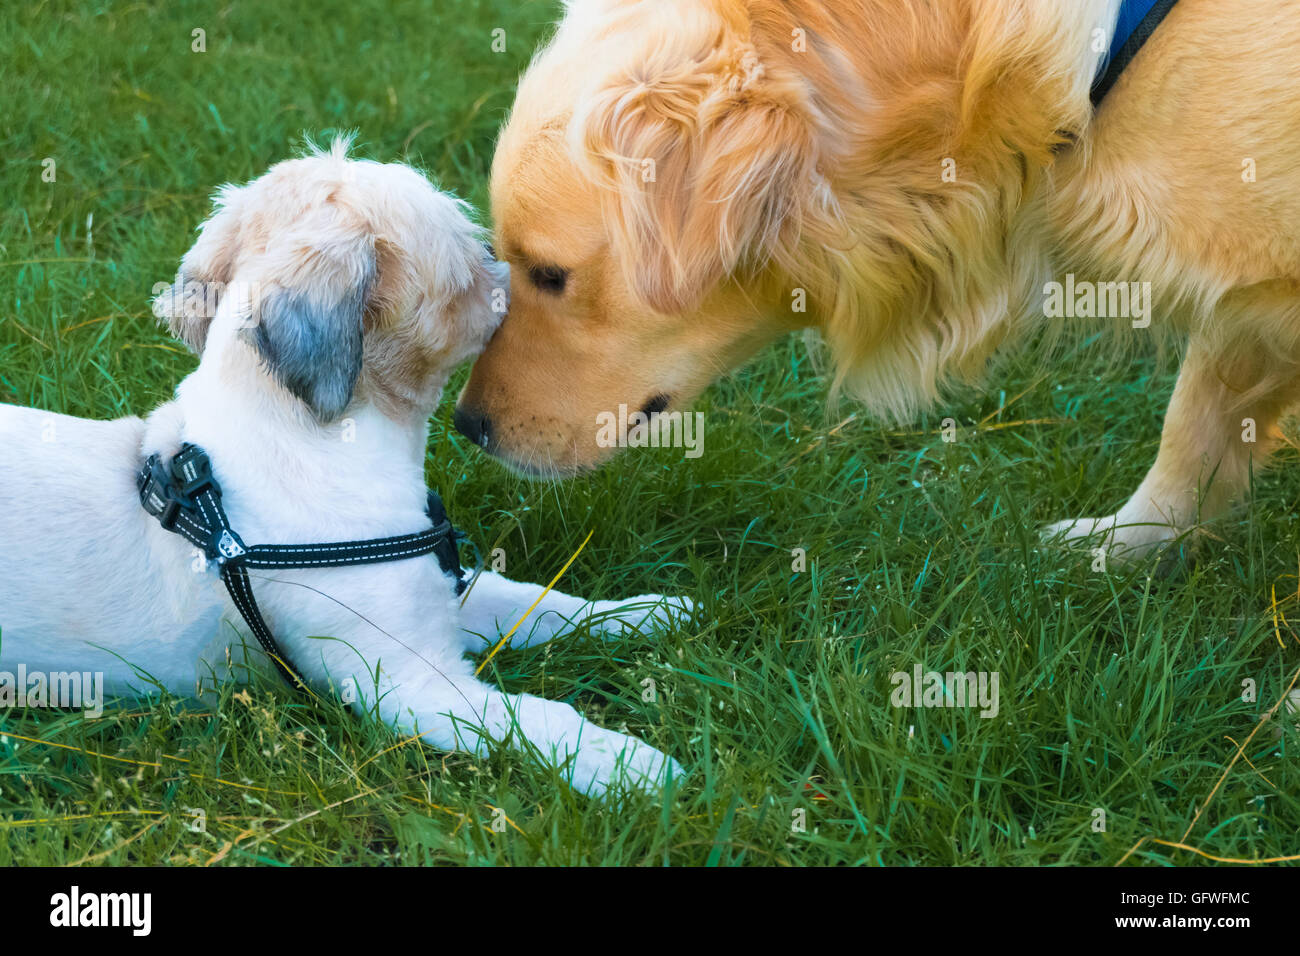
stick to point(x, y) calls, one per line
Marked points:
point(336, 297)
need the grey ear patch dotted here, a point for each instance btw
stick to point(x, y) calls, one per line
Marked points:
point(312, 347)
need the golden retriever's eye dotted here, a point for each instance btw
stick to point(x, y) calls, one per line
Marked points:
point(549, 278)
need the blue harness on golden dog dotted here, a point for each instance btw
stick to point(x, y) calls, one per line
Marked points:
point(1138, 19)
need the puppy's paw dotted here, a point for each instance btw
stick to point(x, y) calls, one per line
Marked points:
point(608, 761)
point(644, 614)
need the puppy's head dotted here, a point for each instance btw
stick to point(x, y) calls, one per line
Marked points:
point(342, 281)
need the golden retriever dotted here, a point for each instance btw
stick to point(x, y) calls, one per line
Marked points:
point(682, 181)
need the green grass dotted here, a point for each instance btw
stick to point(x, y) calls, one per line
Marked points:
point(1120, 691)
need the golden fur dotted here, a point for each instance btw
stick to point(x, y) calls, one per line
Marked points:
point(916, 172)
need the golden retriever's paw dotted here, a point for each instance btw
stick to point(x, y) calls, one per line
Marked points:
point(1113, 534)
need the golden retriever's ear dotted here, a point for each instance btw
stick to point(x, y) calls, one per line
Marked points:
point(706, 172)
point(189, 305)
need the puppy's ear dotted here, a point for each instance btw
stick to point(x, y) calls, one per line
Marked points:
point(707, 172)
point(307, 328)
point(189, 305)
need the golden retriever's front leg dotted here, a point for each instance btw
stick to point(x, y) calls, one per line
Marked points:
point(1223, 414)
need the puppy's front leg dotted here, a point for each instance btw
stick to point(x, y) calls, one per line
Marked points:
point(495, 604)
point(454, 711)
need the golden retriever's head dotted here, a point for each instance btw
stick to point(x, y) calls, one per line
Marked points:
point(331, 282)
point(680, 181)
point(638, 213)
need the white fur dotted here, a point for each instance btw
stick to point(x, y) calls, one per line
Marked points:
point(90, 582)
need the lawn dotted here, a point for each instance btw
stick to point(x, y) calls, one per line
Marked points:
point(1121, 690)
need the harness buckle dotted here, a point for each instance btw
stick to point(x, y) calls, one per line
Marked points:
point(447, 550)
point(157, 495)
point(192, 469)
point(167, 517)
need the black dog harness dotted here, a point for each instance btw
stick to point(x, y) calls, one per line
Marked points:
point(1138, 19)
point(186, 499)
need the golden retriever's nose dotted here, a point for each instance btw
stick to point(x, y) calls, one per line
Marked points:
point(474, 425)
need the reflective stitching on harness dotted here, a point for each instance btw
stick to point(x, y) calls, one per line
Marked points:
point(348, 546)
point(256, 562)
